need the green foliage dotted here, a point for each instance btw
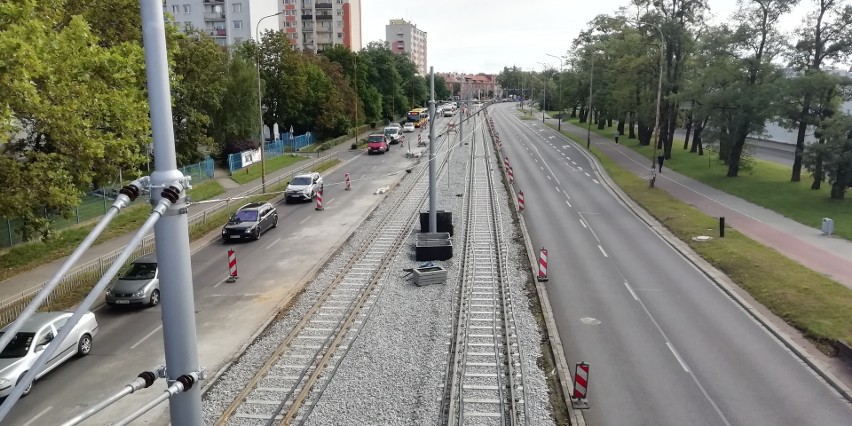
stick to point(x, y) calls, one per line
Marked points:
point(238, 117)
point(832, 157)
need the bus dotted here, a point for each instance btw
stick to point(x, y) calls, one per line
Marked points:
point(418, 116)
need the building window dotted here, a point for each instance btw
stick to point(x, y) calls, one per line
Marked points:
point(186, 8)
point(237, 7)
point(339, 1)
point(339, 12)
point(175, 8)
point(339, 24)
point(339, 35)
point(238, 24)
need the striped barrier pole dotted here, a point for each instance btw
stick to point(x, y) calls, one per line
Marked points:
point(348, 185)
point(581, 386)
point(319, 201)
point(511, 176)
point(232, 266)
point(520, 201)
point(542, 265)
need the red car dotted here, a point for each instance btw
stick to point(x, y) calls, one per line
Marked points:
point(377, 143)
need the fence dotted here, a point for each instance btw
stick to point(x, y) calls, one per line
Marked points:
point(271, 149)
point(85, 276)
point(93, 204)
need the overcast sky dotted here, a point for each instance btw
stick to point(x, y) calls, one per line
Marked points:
point(474, 36)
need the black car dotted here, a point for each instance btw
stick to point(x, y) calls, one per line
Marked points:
point(250, 221)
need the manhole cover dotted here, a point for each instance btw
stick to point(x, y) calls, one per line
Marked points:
point(590, 321)
point(702, 238)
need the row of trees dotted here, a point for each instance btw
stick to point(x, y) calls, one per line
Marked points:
point(723, 83)
point(74, 111)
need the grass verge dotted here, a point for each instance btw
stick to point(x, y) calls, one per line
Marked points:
point(29, 255)
point(817, 306)
point(252, 172)
point(766, 184)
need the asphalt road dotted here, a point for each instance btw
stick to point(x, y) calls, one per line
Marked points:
point(664, 344)
point(227, 315)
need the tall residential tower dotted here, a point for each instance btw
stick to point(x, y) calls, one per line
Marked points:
point(314, 25)
point(405, 38)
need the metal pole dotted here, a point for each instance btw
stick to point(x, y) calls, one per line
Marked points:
point(589, 112)
point(544, 90)
point(433, 214)
point(561, 107)
point(171, 232)
point(657, 120)
point(260, 99)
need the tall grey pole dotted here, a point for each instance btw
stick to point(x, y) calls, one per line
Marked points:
point(589, 112)
point(433, 214)
point(171, 232)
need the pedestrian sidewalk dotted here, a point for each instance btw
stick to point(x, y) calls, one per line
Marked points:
point(831, 256)
point(14, 286)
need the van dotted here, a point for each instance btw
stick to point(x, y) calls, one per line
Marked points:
point(394, 134)
point(138, 284)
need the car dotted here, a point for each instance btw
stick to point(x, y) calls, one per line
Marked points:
point(449, 112)
point(408, 127)
point(138, 284)
point(303, 187)
point(394, 134)
point(394, 124)
point(250, 221)
point(377, 142)
point(33, 337)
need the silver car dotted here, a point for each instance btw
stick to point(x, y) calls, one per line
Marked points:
point(139, 284)
point(34, 336)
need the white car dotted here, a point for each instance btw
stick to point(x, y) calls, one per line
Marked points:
point(303, 187)
point(408, 127)
point(34, 336)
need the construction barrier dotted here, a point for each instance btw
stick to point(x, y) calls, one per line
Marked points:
point(521, 201)
point(232, 266)
point(542, 264)
point(511, 176)
point(348, 185)
point(581, 386)
point(319, 201)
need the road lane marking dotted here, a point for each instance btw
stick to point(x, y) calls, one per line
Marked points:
point(573, 162)
point(557, 189)
point(272, 243)
point(303, 220)
point(602, 251)
point(631, 291)
point(37, 416)
point(567, 157)
point(549, 178)
point(583, 223)
point(587, 173)
point(542, 168)
point(569, 204)
point(596, 181)
point(330, 201)
point(581, 169)
point(146, 336)
point(677, 355)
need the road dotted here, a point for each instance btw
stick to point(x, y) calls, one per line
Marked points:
point(664, 344)
point(227, 315)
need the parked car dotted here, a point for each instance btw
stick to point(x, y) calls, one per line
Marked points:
point(394, 134)
point(139, 284)
point(394, 124)
point(34, 336)
point(303, 187)
point(250, 222)
point(377, 142)
point(408, 127)
point(449, 112)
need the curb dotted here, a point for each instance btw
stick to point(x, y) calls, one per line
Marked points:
point(716, 276)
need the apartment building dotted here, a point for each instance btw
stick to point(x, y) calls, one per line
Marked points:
point(405, 38)
point(313, 25)
point(227, 21)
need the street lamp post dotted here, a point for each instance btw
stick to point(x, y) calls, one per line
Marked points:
point(544, 90)
point(589, 112)
point(561, 107)
point(656, 132)
point(260, 99)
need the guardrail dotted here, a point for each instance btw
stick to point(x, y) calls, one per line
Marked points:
point(86, 275)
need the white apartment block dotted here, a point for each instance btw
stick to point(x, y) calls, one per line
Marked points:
point(311, 25)
point(405, 38)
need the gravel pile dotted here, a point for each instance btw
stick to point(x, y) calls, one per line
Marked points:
point(392, 366)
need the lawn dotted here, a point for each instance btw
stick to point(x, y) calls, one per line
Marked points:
point(817, 306)
point(767, 184)
point(250, 173)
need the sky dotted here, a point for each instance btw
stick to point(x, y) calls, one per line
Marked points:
point(472, 36)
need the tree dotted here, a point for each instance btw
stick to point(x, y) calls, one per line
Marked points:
point(441, 91)
point(71, 112)
point(197, 88)
point(825, 35)
point(238, 117)
point(833, 157)
point(384, 76)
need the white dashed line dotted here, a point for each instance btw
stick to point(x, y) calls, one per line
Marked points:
point(679, 359)
point(602, 251)
point(43, 412)
point(631, 291)
point(584, 224)
point(587, 174)
point(557, 189)
point(569, 204)
point(595, 181)
point(549, 178)
point(139, 342)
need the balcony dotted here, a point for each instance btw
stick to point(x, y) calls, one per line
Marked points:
point(324, 17)
point(323, 6)
point(321, 29)
point(214, 1)
point(218, 32)
point(214, 16)
point(307, 17)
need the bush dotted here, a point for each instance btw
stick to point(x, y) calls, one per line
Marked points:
point(354, 145)
point(235, 146)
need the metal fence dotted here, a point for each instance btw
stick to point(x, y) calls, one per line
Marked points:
point(94, 204)
point(272, 149)
point(85, 276)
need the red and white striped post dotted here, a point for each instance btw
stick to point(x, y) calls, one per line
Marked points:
point(232, 266)
point(348, 185)
point(511, 176)
point(520, 201)
point(542, 265)
point(319, 201)
point(506, 162)
point(581, 386)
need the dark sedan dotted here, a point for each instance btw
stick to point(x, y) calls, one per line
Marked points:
point(250, 221)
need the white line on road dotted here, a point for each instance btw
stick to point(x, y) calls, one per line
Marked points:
point(330, 201)
point(581, 169)
point(549, 178)
point(602, 251)
point(569, 204)
point(557, 189)
point(303, 220)
point(583, 223)
point(595, 181)
point(272, 243)
point(573, 162)
point(567, 157)
point(677, 355)
point(631, 291)
point(146, 336)
point(37, 416)
point(542, 168)
point(587, 174)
